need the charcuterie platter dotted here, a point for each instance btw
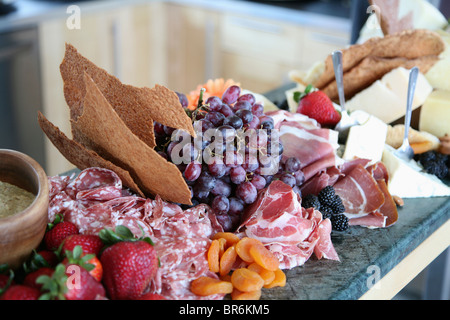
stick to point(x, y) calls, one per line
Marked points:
point(217, 194)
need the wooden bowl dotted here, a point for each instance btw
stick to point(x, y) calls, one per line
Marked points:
point(22, 232)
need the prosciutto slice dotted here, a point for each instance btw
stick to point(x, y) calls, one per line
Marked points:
point(291, 232)
point(303, 138)
point(95, 200)
point(359, 192)
point(365, 195)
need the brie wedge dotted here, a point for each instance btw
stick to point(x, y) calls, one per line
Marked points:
point(408, 180)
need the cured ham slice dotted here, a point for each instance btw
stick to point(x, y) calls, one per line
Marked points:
point(359, 192)
point(95, 200)
point(303, 138)
point(291, 232)
point(365, 195)
point(372, 220)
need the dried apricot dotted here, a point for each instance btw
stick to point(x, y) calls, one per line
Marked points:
point(213, 256)
point(267, 275)
point(239, 295)
point(243, 248)
point(246, 280)
point(264, 257)
point(227, 260)
point(222, 246)
point(230, 237)
point(226, 277)
point(206, 286)
point(279, 281)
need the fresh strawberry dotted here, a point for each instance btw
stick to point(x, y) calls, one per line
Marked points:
point(90, 262)
point(151, 296)
point(128, 265)
point(90, 243)
point(49, 256)
point(81, 285)
point(6, 280)
point(30, 278)
point(317, 105)
point(20, 292)
point(57, 232)
point(71, 282)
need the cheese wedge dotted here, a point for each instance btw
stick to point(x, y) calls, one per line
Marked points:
point(366, 140)
point(435, 114)
point(386, 98)
point(379, 101)
point(408, 180)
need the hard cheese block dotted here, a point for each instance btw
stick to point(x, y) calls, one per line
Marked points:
point(407, 179)
point(437, 76)
point(435, 114)
point(386, 98)
point(366, 141)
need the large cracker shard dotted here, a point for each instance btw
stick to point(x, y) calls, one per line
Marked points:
point(112, 127)
point(99, 128)
point(137, 107)
point(80, 156)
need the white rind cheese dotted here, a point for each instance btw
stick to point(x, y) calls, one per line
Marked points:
point(407, 180)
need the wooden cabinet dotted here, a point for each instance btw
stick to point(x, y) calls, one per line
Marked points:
point(259, 53)
point(128, 42)
point(192, 46)
point(256, 52)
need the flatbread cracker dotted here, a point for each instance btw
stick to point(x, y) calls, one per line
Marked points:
point(372, 69)
point(99, 128)
point(411, 44)
point(81, 157)
point(137, 107)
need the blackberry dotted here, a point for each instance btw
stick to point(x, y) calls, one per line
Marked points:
point(426, 157)
point(328, 197)
point(326, 211)
point(311, 201)
point(338, 206)
point(437, 168)
point(339, 222)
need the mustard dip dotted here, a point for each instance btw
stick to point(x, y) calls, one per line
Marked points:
point(13, 199)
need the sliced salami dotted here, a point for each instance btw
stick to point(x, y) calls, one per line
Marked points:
point(95, 200)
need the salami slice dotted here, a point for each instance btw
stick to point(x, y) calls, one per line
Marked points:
point(95, 200)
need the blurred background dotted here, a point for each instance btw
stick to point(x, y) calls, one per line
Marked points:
point(176, 43)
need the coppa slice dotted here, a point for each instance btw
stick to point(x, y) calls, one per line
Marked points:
point(80, 156)
point(99, 128)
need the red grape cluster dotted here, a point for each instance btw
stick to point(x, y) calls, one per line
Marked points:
point(236, 153)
